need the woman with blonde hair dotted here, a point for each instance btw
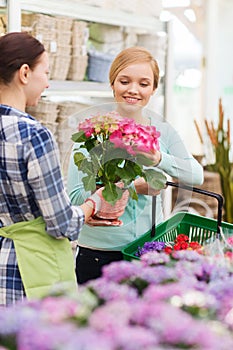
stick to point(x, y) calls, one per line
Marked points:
point(134, 78)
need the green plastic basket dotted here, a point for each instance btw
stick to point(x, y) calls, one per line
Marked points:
point(197, 228)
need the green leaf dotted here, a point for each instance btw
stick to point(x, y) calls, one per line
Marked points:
point(143, 160)
point(79, 137)
point(115, 153)
point(90, 144)
point(78, 158)
point(133, 194)
point(83, 163)
point(129, 172)
point(112, 193)
point(155, 179)
point(89, 183)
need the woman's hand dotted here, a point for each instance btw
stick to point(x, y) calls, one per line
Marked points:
point(149, 159)
point(104, 210)
point(109, 211)
point(142, 187)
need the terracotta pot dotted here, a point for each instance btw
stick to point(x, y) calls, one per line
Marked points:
point(110, 211)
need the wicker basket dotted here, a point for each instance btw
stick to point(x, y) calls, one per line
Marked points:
point(48, 117)
point(38, 20)
point(80, 33)
point(77, 68)
point(44, 106)
point(79, 50)
point(64, 24)
point(98, 66)
point(63, 50)
point(67, 109)
point(49, 125)
point(44, 34)
point(63, 37)
point(60, 67)
point(45, 111)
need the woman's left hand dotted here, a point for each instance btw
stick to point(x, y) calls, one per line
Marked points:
point(149, 159)
point(142, 187)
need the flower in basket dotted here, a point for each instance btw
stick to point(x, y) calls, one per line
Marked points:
point(181, 242)
point(108, 154)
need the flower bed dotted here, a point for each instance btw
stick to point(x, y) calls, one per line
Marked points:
point(182, 300)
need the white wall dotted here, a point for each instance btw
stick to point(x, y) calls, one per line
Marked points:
point(219, 58)
point(217, 77)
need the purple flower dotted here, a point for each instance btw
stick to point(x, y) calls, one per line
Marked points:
point(12, 318)
point(107, 290)
point(157, 274)
point(120, 271)
point(64, 336)
point(155, 258)
point(134, 337)
point(111, 315)
point(156, 293)
point(189, 255)
point(150, 247)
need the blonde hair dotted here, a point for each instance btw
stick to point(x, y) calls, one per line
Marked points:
point(132, 55)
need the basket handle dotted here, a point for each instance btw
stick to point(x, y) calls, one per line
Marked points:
point(218, 196)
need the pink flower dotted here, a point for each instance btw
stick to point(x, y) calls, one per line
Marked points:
point(230, 240)
point(112, 142)
point(135, 137)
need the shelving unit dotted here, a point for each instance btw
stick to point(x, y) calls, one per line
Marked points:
point(90, 13)
point(84, 90)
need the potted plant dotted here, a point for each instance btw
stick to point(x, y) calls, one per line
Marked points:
point(219, 139)
point(108, 153)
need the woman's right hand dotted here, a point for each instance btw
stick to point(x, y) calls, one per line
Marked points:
point(104, 210)
point(142, 187)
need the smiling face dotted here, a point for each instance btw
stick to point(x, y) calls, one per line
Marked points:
point(134, 84)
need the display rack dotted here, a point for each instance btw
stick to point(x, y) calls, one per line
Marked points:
point(89, 13)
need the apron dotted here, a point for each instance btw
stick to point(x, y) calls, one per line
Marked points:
point(43, 260)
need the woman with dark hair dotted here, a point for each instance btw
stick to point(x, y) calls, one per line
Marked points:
point(37, 220)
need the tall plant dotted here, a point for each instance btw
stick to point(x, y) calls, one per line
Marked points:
point(220, 141)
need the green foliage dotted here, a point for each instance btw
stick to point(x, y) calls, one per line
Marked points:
point(106, 164)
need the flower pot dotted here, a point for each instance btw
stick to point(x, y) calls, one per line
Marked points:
point(111, 212)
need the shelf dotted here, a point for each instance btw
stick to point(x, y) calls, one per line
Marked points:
point(91, 13)
point(85, 90)
point(82, 88)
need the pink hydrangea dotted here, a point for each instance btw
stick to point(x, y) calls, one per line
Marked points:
point(135, 137)
point(123, 132)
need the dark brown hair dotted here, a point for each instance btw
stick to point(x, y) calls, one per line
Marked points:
point(132, 55)
point(16, 49)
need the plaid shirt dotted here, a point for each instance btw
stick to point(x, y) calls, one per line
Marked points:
point(30, 186)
